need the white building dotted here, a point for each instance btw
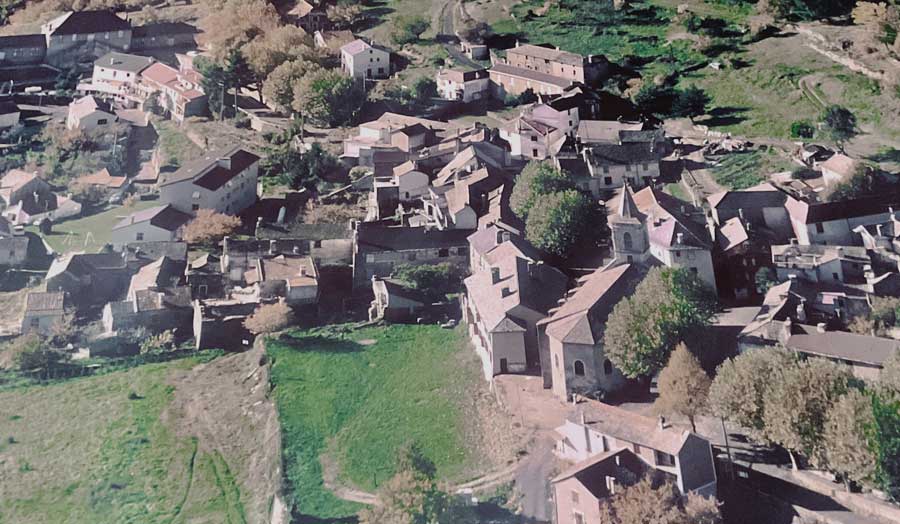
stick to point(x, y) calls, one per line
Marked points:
point(465, 86)
point(361, 59)
point(89, 113)
point(160, 223)
point(119, 71)
point(223, 180)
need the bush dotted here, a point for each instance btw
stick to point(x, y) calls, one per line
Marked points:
point(408, 29)
point(208, 226)
point(802, 129)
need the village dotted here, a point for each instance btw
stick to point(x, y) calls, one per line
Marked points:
point(317, 265)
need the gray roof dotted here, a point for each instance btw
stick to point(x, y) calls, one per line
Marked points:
point(124, 62)
point(622, 424)
point(207, 170)
point(41, 301)
point(842, 345)
point(536, 76)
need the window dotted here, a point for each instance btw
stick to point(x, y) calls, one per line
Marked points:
point(556, 361)
point(317, 244)
point(411, 257)
point(607, 367)
point(626, 241)
point(579, 368)
point(605, 443)
point(627, 167)
point(607, 180)
point(820, 228)
point(678, 253)
point(693, 270)
point(101, 122)
point(646, 167)
point(664, 459)
point(534, 138)
point(139, 237)
point(35, 322)
point(605, 169)
point(195, 207)
point(443, 253)
point(637, 449)
point(578, 518)
point(534, 153)
point(574, 497)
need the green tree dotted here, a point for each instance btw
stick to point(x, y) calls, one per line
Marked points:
point(31, 353)
point(802, 129)
point(683, 385)
point(558, 221)
point(409, 28)
point(797, 402)
point(643, 329)
point(654, 99)
point(862, 182)
point(738, 392)
point(536, 180)
point(424, 89)
point(215, 84)
point(690, 102)
point(764, 279)
point(437, 280)
point(846, 445)
point(328, 98)
point(890, 374)
point(281, 84)
point(299, 170)
point(885, 439)
point(840, 124)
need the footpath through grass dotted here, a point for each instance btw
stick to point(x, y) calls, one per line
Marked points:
point(96, 450)
point(361, 395)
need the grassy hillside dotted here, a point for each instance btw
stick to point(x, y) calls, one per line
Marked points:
point(101, 450)
point(362, 394)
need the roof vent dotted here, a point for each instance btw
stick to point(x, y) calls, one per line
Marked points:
point(820, 327)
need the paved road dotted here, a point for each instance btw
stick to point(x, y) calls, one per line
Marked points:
point(533, 481)
point(447, 36)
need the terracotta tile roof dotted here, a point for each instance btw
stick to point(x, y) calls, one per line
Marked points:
point(598, 293)
point(335, 40)
point(45, 301)
point(296, 271)
point(160, 274)
point(732, 234)
point(87, 105)
point(622, 154)
point(103, 178)
point(841, 164)
point(622, 465)
point(482, 154)
point(631, 427)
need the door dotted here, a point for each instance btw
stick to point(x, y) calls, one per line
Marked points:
point(504, 366)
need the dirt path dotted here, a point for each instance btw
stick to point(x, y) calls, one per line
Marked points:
point(224, 405)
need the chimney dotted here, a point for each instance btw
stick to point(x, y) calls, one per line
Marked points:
point(820, 327)
point(273, 247)
point(794, 242)
point(495, 275)
point(662, 422)
point(679, 238)
point(801, 311)
point(611, 481)
point(295, 250)
point(878, 230)
point(786, 330)
point(225, 246)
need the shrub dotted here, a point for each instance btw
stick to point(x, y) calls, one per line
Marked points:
point(408, 29)
point(802, 129)
point(208, 226)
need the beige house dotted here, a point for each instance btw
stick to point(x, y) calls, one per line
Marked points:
point(28, 199)
point(531, 139)
point(89, 113)
point(834, 222)
point(502, 306)
point(361, 60)
point(544, 70)
point(160, 223)
point(290, 276)
point(571, 337)
point(118, 73)
point(222, 180)
point(464, 86)
point(597, 428)
point(459, 205)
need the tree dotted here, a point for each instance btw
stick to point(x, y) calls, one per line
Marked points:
point(89, 195)
point(208, 227)
point(648, 501)
point(765, 278)
point(424, 89)
point(683, 385)
point(67, 80)
point(328, 98)
point(840, 124)
point(846, 445)
point(158, 343)
point(299, 169)
point(31, 353)
point(475, 31)
point(666, 307)
point(215, 84)
point(345, 15)
point(269, 318)
point(283, 45)
point(237, 23)
point(890, 374)
point(690, 102)
point(279, 87)
point(654, 99)
point(557, 221)
point(797, 402)
point(806, 9)
point(885, 441)
point(409, 28)
point(802, 129)
point(739, 389)
point(436, 280)
point(536, 180)
point(861, 183)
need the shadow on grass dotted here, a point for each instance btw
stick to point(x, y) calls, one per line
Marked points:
point(319, 344)
point(725, 116)
point(886, 155)
point(373, 16)
point(299, 518)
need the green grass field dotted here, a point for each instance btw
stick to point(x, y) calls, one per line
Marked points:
point(361, 395)
point(72, 235)
point(86, 450)
point(175, 146)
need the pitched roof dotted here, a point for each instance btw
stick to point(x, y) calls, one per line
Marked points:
point(87, 105)
point(162, 29)
point(665, 219)
point(209, 172)
point(162, 273)
point(481, 154)
point(22, 41)
point(335, 40)
point(571, 321)
point(604, 130)
point(631, 427)
point(627, 153)
point(537, 76)
point(376, 237)
point(761, 195)
point(807, 213)
point(732, 234)
point(164, 217)
point(547, 53)
point(45, 301)
point(462, 76)
point(8, 108)
point(123, 62)
point(361, 46)
point(843, 345)
point(621, 464)
point(295, 270)
point(399, 289)
point(302, 8)
point(153, 250)
point(103, 178)
point(841, 164)
point(84, 22)
point(491, 239)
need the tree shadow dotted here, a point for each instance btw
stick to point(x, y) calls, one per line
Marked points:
point(886, 155)
point(725, 116)
point(319, 344)
point(375, 15)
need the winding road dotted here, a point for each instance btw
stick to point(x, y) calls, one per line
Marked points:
point(447, 36)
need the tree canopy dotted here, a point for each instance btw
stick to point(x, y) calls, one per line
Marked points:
point(328, 98)
point(846, 446)
point(683, 385)
point(536, 180)
point(209, 226)
point(643, 329)
point(557, 221)
point(840, 124)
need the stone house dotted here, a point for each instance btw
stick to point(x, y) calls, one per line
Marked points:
point(362, 60)
point(379, 249)
point(223, 180)
point(89, 113)
point(80, 36)
point(561, 64)
point(13, 245)
point(309, 17)
point(459, 205)
point(205, 278)
point(502, 306)
point(531, 139)
point(90, 279)
point(741, 251)
point(28, 198)
point(762, 206)
point(220, 324)
point(491, 243)
point(833, 222)
point(43, 311)
point(507, 80)
point(159, 223)
point(158, 35)
point(817, 263)
point(612, 166)
point(22, 50)
point(598, 428)
point(292, 277)
point(395, 302)
point(463, 86)
point(571, 337)
point(651, 225)
point(157, 300)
